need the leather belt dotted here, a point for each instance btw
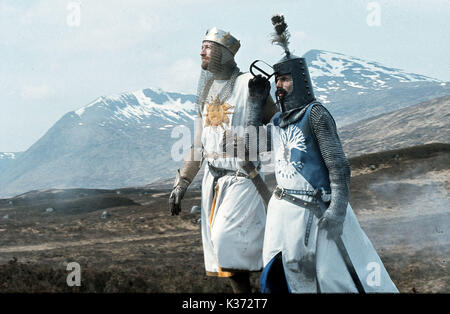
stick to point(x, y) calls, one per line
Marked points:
point(314, 206)
point(304, 192)
point(218, 173)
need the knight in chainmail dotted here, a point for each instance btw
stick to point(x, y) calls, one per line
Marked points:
point(300, 251)
point(232, 212)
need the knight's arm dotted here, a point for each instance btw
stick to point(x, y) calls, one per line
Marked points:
point(262, 133)
point(193, 160)
point(270, 109)
point(335, 160)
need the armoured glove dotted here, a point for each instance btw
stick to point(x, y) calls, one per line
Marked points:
point(259, 89)
point(332, 223)
point(259, 86)
point(177, 194)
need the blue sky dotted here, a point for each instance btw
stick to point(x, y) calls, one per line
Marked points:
point(49, 66)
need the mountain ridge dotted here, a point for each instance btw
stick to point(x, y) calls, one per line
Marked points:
point(126, 139)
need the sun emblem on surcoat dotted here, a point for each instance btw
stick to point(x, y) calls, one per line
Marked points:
point(217, 113)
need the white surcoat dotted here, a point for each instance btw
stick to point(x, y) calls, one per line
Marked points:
point(318, 261)
point(232, 229)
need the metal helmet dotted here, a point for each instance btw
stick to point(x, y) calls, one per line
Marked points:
point(223, 49)
point(301, 92)
point(223, 38)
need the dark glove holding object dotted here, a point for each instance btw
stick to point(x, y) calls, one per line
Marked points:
point(179, 189)
point(259, 87)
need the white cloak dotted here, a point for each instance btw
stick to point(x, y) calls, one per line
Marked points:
point(233, 232)
point(318, 262)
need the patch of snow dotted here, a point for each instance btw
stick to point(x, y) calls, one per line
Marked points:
point(81, 111)
point(323, 99)
point(327, 65)
point(371, 76)
point(7, 156)
point(354, 84)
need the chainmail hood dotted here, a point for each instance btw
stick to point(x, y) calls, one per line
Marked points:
point(220, 66)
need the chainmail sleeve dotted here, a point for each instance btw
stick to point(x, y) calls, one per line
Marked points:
point(193, 160)
point(324, 128)
point(270, 109)
point(258, 135)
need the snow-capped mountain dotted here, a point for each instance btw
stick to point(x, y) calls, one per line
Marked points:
point(116, 141)
point(354, 89)
point(139, 106)
point(125, 139)
point(346, 71)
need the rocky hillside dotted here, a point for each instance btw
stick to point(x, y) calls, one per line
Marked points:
point(424, 123)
